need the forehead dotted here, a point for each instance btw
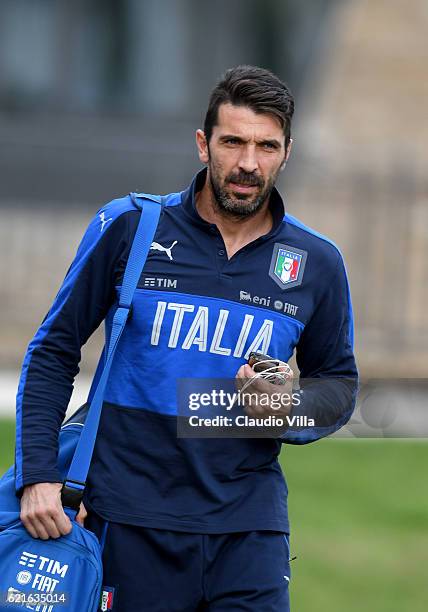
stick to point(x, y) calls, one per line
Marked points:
point(243, 121)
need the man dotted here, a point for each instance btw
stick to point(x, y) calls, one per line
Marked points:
point(190, 523)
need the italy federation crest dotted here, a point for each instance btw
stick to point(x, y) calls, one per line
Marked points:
point(287, 265)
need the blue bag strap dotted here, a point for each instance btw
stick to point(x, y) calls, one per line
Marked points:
point(74, 485)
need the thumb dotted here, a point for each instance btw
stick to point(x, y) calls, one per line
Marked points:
point(81, 516)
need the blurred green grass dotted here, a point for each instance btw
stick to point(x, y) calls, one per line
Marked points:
point(7, 443)
point(359, 522)
point(359, 525)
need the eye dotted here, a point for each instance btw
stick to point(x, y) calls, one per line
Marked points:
point(270, 146)
point(232, 141)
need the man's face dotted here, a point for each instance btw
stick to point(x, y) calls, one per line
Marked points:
point(244, 157)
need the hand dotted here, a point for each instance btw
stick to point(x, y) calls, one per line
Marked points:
point(282, 394)
point(42, 513)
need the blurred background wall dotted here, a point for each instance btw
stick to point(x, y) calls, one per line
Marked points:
point(100, 98)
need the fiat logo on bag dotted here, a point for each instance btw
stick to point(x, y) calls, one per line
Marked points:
point(24, 577)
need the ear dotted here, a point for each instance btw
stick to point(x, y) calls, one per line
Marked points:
point(287, 154)
point(202, 145)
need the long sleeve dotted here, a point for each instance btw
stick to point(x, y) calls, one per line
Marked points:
point(52, 358)
point(328, 373)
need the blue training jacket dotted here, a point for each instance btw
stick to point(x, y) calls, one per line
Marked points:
point(195, 313)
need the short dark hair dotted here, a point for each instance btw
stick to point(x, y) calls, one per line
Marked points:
point(259, 89)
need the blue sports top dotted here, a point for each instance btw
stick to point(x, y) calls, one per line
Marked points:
point(195, 313)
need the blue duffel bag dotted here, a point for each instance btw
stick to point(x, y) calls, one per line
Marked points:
point(46, 563)
point(47, 575)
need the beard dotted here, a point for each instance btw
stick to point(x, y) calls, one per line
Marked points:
point(240, 205)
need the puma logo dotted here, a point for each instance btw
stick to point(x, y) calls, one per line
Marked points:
point(104, 221)
point(155, 246)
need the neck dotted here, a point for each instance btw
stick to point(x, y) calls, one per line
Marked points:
point(235, 231)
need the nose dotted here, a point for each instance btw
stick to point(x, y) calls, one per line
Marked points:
point(248, 159)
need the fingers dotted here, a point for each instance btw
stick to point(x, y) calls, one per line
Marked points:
point(36, 527)
point(39, 529)
point(263, 381)
point(80, 518)
point(245, 371)
point(62, 522)
point(45, 528)
point(29, 526)
point(51, 527)
point(44, 525)
point(287, 371)
point(246, 378)
point(256, 388)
